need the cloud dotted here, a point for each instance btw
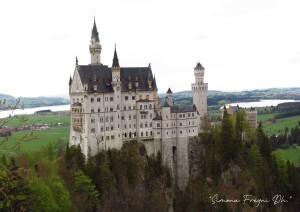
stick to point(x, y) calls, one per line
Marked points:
point(202, 36)
point(295, 59)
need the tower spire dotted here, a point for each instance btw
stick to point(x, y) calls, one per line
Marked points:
point(95, 34)
point(115, 59)
point(95, 47)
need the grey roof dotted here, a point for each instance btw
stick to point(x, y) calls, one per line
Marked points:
point(137, 74)
point(96, 74)
point(95, 32)
point(182, 109)
point(101, 76)
point(70, 80)
point(115, 59)
point(199, 66)
point(169, 90)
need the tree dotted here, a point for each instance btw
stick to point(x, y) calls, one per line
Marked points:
point(86, 196)
point(228, 146)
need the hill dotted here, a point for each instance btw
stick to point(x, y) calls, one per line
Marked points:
point(29, 102)
point(218, 98)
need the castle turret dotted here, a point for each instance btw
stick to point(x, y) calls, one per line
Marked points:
point(95, 47)
point(115, 68)
point(169, 97)
point(199, 89)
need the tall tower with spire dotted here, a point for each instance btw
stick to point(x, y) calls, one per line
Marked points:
point(199, 89)
point(95, 47)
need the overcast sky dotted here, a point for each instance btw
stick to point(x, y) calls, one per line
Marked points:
point(242, 44)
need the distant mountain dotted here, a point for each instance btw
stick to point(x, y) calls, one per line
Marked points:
point(29, 102)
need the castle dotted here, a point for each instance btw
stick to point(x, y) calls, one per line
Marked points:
point(111, 105)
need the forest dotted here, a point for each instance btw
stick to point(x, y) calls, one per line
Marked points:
point(238, 161)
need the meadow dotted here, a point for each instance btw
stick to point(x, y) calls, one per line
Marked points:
point(292, 154)
point(32, 141)
point(36, 119)
point(279, 125)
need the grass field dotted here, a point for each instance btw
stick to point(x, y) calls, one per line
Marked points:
point(44, 137)
point(280, 124)
point(49, 119)
point(292, 154)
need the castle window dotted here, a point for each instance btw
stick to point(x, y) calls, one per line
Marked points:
point(142, 134)
point(111, 128)
point(98, 110)
point(93, 130)
point(147, 97)
point(183, 115)
point(122, 117)
point(92, 121)
point(124, 107)
point(101, 129)
point(92, 99)
point(146, 133)
point(158, 125)
point(192, 114)
point(125, 135)
point(180, 115)
point(92, 110)
point(118, 107)
point(129, 126)
point(141, 107)
point(124, 126)
point(145, 107)
point(150, 115)
point(150, 124)
point(158, 133)
point(129, 107)
point(129, 117)
point(189, 115)
point(111, 118)
point(146, 124)
point(133, 107)
point(111, 109)
point(111, 99)
point(133, 97)
point(126, 97)
point(106, 119)
point(107, 128)
point(150, 106)
point(167, 133)
point(141, 125)
point(151, 133)
point(107, 137)
point(98, 99)
point(180, 132)
point(112, 137)
point(101, 119)
point(180, 124)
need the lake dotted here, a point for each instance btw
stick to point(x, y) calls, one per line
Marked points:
point(262, 103)
point(28, 111)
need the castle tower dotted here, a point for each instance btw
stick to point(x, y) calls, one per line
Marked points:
point(117, 85)
point(95, 47)
point(199, 89)
point(169, 97)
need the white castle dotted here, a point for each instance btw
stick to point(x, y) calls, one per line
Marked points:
point(112, 105)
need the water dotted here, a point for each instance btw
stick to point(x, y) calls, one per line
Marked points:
point(262, 103)
point(28, 111)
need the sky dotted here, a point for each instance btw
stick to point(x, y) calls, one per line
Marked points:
point(242, 44)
